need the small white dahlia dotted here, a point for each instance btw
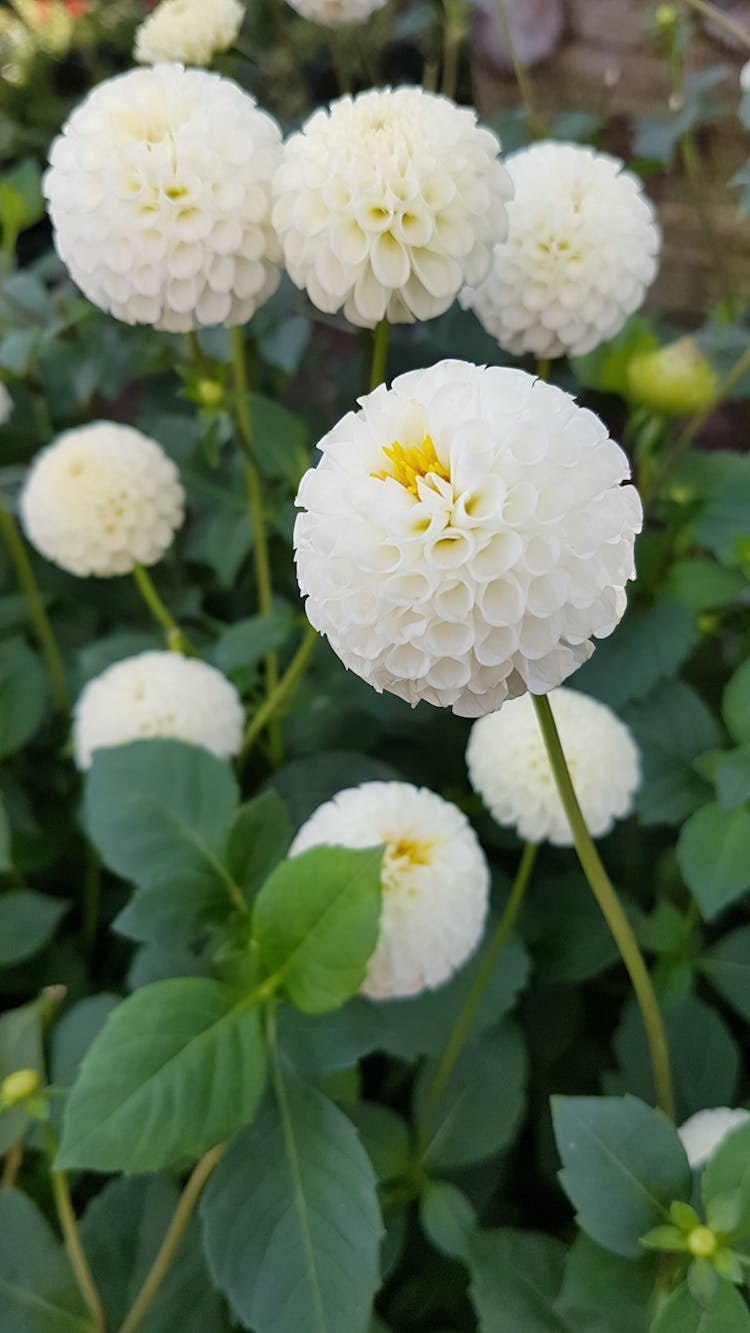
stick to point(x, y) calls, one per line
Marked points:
point(158, 694)
point(332, 13)
point(159, 191)
point(190, 32)
point(581, 249)
point(705, 1131)
point(435, 880)
point(101, 499)
point(745, 78)
point(387, 203)
point(6, 405)
point(509, 768)
point(464, 536)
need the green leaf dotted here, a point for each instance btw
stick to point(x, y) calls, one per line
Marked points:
point(479, 1109)
point(291, 1219)
point(733, 777)
point(177, 1067)
point(316, 921)
point(280, 439)
point(727, 966)
point(623, 1164)
point(650, 644)
point(448, 1219)
point(121, 1233)
point(20, 1048)
point(385, 1137)
point(681, 1314)
point(713, 851)
point(6, 860)
point(703, 584)
point(672, 726)
point(23, 695)
point(568, 934)
point(703, 1283)
point(38, 1293)
point(318, 1044)
point(74, 1032)
point(736, 704)
point(159, 812)
point(515, 1278)
point(258, 839)
point(596, 1282)
point(728, 1170)
point(306, 783)
point(28, 921)
point(246, 643)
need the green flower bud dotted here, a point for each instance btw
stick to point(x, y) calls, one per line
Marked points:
point(210, 392)
point(676, 380)
point(18, 1087)
point(702, 1242)
point(665, 17)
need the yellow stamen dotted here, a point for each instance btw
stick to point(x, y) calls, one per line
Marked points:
point(409, 464)
point(407, 849)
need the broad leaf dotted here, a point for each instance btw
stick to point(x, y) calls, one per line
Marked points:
point(623, 1164)
point(315, 922)
point(258, 839)
point(515, 1278)
point(736, 704)
point(385, 1137)
point(28, 921)
point(38, 1293)
point(447, 1217)
point(672, 726)
point(728, 1170)
point(733, 777)
point(177, 1067)
point(651, 644)
point(23, 695)
point(681, 1314)
point(713, 851)
point(306, 783)
point(291, 1219)
point(597, 1282)
point(727, 966)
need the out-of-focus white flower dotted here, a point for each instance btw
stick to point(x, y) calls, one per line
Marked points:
point(702, 1134)
point(435, 880)
point(582, 248)
point(101, 499)
point(386, 204)
point(159, 192)
point(745, 77)
point(509, 768)
point(465, 535)
point(158, 694)
point(190, 32)
point(6, 405)
point(332, 13)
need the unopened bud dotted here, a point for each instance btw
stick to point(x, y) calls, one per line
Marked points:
point(665, 17)
point(210, 392)
point(676, 380)
point(702, 1242)
point(17, 1087)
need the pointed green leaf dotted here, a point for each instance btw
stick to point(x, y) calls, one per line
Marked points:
point(728, 1171)
point(681, 1314)
point(714, 856)
point(515, 1279)
point(28, 921)
point(38, 1293)
point(259, 838)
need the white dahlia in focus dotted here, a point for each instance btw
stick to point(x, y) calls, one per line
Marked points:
point(465, 535)
point(509, 768)
point(101, 499)
point(332, 13)
point(435, 880)
point(190, 32)
point(581, 249)
point(705, 1131)
point(6, 405)
point(158, 694)
point(386, 204)
point(159, 191)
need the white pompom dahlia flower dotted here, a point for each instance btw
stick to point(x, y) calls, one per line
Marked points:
point(509, 768)
point(159, 191)
point(158, 694)
point(101, 499)
point(6, 405)
point(745, 78)
point(190, 32)
point(332, 13)
point(387, 203)
point(435, 880)
point(465, 535)
point(581, 250)
point(705, 1131)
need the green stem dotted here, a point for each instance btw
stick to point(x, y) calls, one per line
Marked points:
point(284, 687)
point(520, 71)
point(177, 641)
point(71, 1235)
point(379, 354)
point(467, 1013)
point(453, 33)
point(92, 884)
point(720, 19)
point(611, 907)
point(542, 367)
point(173, 1238)
point(339, 61)
point(36, 608)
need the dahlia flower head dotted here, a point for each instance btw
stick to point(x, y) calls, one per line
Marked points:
point(435, 880)
point(159, 191)
point(102, 499)
point(745, 77)
point(190, 32)
point(581, 249)
point(6, 405)
point(158, 694)
point(332, 13)
point(509, 767)
point(705, 1131)
point(465, 535)
point(387, 203)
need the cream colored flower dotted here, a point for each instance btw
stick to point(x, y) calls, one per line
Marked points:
point(745, 78)
point(332, 13)
point(509, 768)
point(6, 405)
point(159, 192)
point(705, 1131)
point(158, 694)
point(435, 880)
point(101, 499)
point(581, 250)
point(465, 536)
point(189, 32)
point(387, 203)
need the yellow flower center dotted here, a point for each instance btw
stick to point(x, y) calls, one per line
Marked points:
point(408, 849)
point(408, 464)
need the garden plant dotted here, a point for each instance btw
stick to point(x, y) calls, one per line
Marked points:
point(374, 684)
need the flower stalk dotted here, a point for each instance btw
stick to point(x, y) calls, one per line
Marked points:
point(36, 608)
point(69, 1227)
